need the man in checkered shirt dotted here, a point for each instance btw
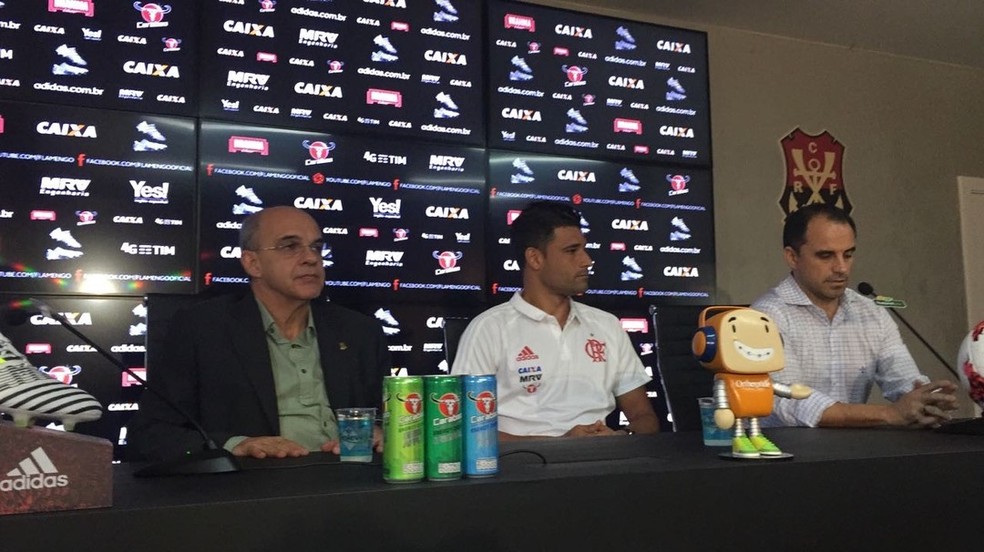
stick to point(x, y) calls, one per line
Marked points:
point(839, 342)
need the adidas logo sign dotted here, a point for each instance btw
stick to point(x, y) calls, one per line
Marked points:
point(526, 354)
point(34, 472)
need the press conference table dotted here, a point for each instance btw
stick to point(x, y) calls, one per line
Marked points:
point(843, 490)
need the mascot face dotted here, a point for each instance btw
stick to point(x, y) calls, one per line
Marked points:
point(970, 364)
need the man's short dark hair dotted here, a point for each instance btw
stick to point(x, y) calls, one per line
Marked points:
point(536, 223)
point(794, 231)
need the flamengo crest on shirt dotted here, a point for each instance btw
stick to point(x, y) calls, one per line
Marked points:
point(814, 171)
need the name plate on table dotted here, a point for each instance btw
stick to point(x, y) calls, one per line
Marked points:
point(43, 470)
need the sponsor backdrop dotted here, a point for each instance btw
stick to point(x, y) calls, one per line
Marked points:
point(136, 136)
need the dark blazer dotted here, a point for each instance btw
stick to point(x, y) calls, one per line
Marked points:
point(217, 368)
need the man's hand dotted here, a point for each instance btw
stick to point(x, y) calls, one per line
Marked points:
point(335, 447)
point(269, 447)
point(589, 430)
point(927, 405)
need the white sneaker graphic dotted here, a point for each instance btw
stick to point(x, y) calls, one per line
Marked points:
point(629, 175)
point(444, 17)
point(521, 165)
point(585, 225)
point(383, 57)
point(384, 315)
point(71, 53)
point(138, 329)
point(521, 63)
point(521, 179)
point(673, 83)
point(624, 33)
point(147, 145)
point(245, 209)
point(448, 7)
point(678, 222)
point(444, 113)
point(520, 76)
point(631, 263)
point(384, 43)
point(445, 99)
point(60, 253)
point(248, 194)
point(150, 129)
point(575, 128)
point(576, 115)
point(64, 236)
point(629, 276)
point(628, 187)
point(66, 69)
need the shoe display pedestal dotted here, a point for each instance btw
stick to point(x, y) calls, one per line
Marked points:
point(44, 470)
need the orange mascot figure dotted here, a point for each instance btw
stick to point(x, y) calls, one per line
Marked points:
point(743, 346)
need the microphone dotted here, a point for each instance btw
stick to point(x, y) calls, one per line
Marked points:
point(864, 288)
point(212, 459)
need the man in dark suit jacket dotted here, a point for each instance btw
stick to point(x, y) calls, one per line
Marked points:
point(245, 366)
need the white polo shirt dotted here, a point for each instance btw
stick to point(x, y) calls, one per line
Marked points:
point(550, 379)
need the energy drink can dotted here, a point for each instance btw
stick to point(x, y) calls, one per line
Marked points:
point(403, 429)
point(442, 427)
point(480, 426)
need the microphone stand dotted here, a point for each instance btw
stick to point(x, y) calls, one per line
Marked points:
point(924, 342)
point(212, 459)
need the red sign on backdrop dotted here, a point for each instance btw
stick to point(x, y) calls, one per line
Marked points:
point(814, 171)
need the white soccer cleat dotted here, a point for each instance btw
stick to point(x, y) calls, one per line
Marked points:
point(60, 253)
point(66, 69)
point(147, 145)
point(624, 45)
point(576, 115)
point(519, 76)
point(384, 43)
point(448, 7)
point(678, 222)
point(383, 57)
point(575, 128)
point(624, 33)
point(150, 129)
point(384, 315)
point(628, 187)
point(444, 17)
point(629, 175)
point(445, 99)
point(630, 276)
point(673, 83)
point(444, 113)
point(677, 235)
point(521, 63)
point(245, 209)
point(631, 263)
point(248, 194)
point(521, 165)
point(521, 179)
point(26, 394)
point(71, 53)
point(64, 236)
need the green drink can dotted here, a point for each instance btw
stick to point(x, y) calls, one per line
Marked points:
point(442, 427)
point(403, 429)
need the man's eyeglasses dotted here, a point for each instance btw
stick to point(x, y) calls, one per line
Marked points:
point(294, 249)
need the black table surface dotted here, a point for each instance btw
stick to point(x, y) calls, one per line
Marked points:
point(842, 490)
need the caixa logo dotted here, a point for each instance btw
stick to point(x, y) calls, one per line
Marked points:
point(73, 318)
point(435, 322)
point(681, 272)
point(152, 69)
point(248, 29)
point(457, 213)
point(230, 252)
point(511, 265)
point(387, 3)
point(576, 176)
point(676, 132)
point(630, 224)
point(71, 130)
point(669, 46)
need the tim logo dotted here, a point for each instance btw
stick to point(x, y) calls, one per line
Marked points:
point(484, 402)
point(448, 404)
point(412, 403)
point(813, 172)
point(152, 14)
point(319, 151)
point(595, 350)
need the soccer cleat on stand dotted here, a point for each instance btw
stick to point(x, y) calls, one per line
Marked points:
point(26, 394)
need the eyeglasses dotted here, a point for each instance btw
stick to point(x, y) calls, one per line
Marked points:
point(295, 249)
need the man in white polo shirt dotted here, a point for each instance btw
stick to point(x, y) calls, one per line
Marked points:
point(561, 366)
